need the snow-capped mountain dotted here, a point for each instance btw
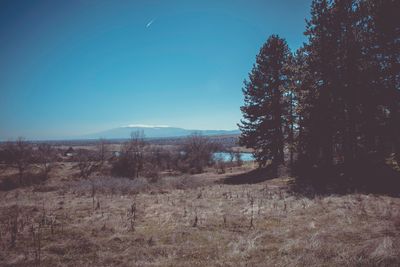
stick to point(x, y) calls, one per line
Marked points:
point(154, 131)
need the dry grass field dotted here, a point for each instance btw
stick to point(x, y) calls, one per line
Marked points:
point(193, 220)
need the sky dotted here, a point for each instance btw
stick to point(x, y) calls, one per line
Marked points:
point(70, 68)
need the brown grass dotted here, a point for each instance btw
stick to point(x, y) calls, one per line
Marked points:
point(79, 227)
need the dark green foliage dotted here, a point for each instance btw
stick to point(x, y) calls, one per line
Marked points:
point(339, 96)
point(349, 105)
point(265, 107)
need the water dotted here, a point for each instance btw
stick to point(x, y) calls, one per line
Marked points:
point(227, 157)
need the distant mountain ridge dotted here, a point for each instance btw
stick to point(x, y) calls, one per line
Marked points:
point(154, 132)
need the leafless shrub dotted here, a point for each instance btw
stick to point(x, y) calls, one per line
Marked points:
point(252, 212)
point(220, 165)
point(18, 155)
point(157, 159)
point(36, 233)
point(101, 151)
point(197, 153)
point(45, 157)
point(93, 193)
point(131, 159)
point(196, 219)
point(13, 227)
point(151, 172)
point(231, 156)
point(86, 165)
point(238, 158)
point(2, 154)
point(132, 216)
point(3, 166)
point(163, 159)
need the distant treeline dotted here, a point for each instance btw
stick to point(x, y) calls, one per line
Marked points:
point(228, 141)
point(336, 100)
point(24, 163)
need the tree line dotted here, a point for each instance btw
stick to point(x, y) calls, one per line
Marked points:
point(26, 163)
point(336, 100)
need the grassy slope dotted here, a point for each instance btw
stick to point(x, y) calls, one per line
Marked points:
point(287, 229)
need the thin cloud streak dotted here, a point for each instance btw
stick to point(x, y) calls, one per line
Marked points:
point(151, 22)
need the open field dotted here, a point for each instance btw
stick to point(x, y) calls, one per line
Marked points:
point(200, 133)
point(193, 220)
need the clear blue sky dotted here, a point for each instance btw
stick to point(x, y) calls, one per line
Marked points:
point(75, 67)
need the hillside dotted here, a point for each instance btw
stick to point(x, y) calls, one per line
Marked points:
point(194, 220)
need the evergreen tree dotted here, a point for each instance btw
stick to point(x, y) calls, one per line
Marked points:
point(305, 102)
point(381, 49)
point(348, 85)
point(318, 122)
point(265, 107)
point(336, 102)
point(291, 97)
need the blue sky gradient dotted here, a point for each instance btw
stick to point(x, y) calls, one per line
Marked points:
point(69, 68)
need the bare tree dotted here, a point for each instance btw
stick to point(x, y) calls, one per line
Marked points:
point(102, 150)
point(130, 162)
point(86, 164)
point(46, 157)
point(2, 159)
point(136, 146)
point(220, 164)
point(18, 155)
point(238, 158)
point(198, 152)
point(231, 155)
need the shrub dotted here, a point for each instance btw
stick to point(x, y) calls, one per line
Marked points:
point(130, 161)
point(86, 164)
point(238, 158)
point(45, 156)
point(197, 153)
point(220, 165)
point(18, 155)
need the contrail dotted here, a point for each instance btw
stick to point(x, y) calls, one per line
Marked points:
point(151, 22)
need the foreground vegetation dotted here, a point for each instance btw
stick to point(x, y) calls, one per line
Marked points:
point(176, 205)
point(202, 219)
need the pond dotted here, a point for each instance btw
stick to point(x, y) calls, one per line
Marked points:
point(225, 156)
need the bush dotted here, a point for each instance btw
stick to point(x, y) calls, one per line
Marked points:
point(18, 155)
point(151, 172)
point(45, 156)
point(86, 164)
point(125, 165)
point(238, 158)
point(13, 181)
point(197, 153)
point(220, 165)
point(130, 161)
